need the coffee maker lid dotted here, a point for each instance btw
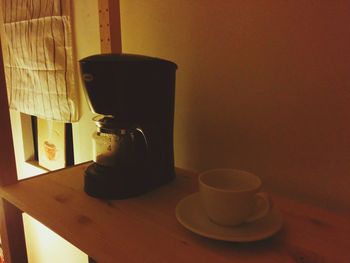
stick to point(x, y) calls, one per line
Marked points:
point(127, 58)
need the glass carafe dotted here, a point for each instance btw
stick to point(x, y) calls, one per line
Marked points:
point(114, 146)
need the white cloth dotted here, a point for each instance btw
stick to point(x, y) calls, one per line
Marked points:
point(37, 48)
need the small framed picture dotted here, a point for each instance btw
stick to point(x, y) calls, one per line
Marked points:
point(51, 144)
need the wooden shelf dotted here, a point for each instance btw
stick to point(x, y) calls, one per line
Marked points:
point(144, 229)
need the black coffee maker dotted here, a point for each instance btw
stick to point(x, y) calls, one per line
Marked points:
point(133, 145)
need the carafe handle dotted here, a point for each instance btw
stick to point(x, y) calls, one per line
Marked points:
point(143, 135)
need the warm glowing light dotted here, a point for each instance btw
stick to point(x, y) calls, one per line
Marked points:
point(44, 245)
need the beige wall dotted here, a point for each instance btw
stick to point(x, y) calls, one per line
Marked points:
point(262, 86)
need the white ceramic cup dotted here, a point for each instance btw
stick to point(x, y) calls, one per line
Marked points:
point(231, 197)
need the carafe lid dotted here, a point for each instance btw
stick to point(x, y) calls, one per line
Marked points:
point(108, 124)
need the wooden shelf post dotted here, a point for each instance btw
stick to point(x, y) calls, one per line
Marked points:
point(11, 228)
point(109, 18)
point(12, 233)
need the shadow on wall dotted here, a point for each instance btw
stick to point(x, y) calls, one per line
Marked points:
point(260, 86)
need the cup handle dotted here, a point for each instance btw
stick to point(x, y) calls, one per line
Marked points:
point(262, 207)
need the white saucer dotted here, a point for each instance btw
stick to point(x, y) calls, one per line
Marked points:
point(191, 215)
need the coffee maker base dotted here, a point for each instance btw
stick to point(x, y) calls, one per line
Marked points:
point(111, 183)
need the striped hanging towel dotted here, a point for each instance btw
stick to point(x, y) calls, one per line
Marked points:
point(37, 47)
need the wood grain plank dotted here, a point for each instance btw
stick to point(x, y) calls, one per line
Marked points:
point(110, 233)
point(144, 228)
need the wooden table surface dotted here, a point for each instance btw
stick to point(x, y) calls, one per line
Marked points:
point(145, 229)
